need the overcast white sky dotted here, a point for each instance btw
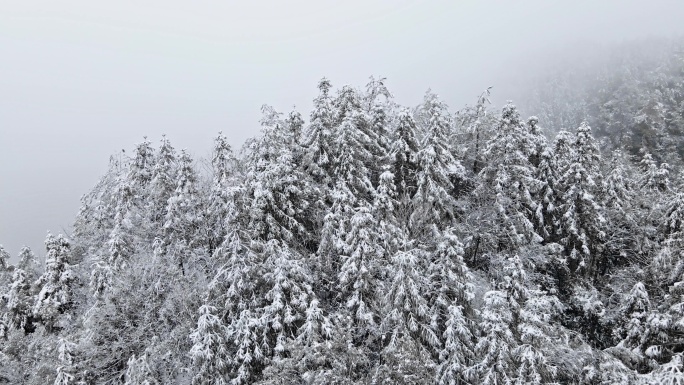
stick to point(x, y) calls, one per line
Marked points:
point(80, 80)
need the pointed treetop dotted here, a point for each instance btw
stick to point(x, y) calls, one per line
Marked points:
point(324, 86)
point(4, 258)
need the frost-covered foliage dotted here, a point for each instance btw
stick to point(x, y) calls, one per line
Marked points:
point(373, 244)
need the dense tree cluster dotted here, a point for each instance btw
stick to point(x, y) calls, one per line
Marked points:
point(630, 94)
point(374, 244)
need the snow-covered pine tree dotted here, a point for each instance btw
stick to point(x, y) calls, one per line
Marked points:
point(340, 359)
point(357, 279)
point(295, 125)
point(618, 186)
point(582, 222)
point(120, 241)
point(450, 278)
point(299, 327)
point(336, 224)
point(319, 136)
point(377, 106)
point(634, 311)
point(5, 276)
point(221, 207)
point(668, 267)
point(281, 194)
point(547, 196)
point(28, 261)
point(210, 351)
point(495, 346)
point(354, 143)
point(433, 202)
point(4, 260)
point(518, 334)
point(475, 125)
point(451, 308)
point(408, 338)
point(654, 177)
point(264, 331)
point(162, 183)
point(184, 232)
point(95, 219)
point(19, 296)
point(66, 371)
point(131, 219)
point(563, 150)
point(56, 283)
point(385, 206)
point(311, 349)
point(539, 339)
point(403, 152)
point(132, 196)
point(538, 141)
point(458, 353)
point(510, 177)
point(378, 102)
point(141, 168)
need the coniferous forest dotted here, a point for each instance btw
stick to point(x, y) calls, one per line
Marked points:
point(373, 243)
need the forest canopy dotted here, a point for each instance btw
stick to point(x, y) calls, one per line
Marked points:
point(378, 243)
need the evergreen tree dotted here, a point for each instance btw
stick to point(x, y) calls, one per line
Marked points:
point(4, 260)
point(120, 242)
point(163, 181)
point(20, 295)
point(433, 202)
point(56, 283)
point(265, 329)
point(537, 140)
point(495, 346)
point(384, 210)
point(320, 135)
point(222, 197)
point(458, 353)
point(635, 310)
point(476, 126)
point(357, 276)
point(354, 161)
point(654, 178)
point(310, 353)
point(563, 150)
point(281, 194)
point(65, 372)
point(582, 222)
point(511, 177)
point(408, 336)
point(184, 233)
point(547, 196)
point(377, 105)
point(404, 148)
point(451, 308)
point(336, 224)
point(141, 168)
point(618, 187)
point(210, 351)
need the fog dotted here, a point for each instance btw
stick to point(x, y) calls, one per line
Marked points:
point(81, 80)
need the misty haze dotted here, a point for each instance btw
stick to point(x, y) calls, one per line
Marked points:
point(378, 192)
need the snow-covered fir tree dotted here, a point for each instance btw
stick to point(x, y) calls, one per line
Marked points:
point(582, 221)
point(56, 283)
point(433, 202)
